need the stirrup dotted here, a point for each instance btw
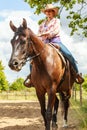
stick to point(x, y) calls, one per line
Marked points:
point(27, 81)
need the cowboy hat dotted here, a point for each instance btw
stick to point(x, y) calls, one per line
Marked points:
point(50, 7)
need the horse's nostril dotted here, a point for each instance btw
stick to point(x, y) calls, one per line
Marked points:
point(15, 63)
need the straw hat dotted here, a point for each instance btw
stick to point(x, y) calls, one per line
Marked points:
point(50, 7)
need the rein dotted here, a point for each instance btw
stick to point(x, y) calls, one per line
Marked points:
point(35, 56)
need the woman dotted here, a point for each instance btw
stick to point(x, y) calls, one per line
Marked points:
point(49, 32)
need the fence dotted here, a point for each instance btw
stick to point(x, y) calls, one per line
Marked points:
point(18, 95)
point(30, 94)
point(79, 95)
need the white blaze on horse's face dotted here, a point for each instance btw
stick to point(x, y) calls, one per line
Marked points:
point(16, 37)
point(16, 50)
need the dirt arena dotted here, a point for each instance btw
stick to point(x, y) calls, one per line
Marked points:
point(24, 115)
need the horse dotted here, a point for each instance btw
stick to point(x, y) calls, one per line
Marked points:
point(49, 75)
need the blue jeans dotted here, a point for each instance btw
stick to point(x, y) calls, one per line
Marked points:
point(65, 52)
point(68, 55)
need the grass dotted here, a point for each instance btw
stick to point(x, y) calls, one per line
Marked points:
point(81, 112)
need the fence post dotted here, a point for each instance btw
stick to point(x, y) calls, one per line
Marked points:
point(25, 95)
point(75, 94)
point(81, 92)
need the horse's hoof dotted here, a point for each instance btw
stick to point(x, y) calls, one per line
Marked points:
point(54, 126)
point(65, 126)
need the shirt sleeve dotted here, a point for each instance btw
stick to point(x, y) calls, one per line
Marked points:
point(41, 29)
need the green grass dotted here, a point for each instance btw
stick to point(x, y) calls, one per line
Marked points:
point(81, 112)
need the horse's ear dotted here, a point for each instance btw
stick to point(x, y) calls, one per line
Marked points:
point(24, 23)
point(12, 26)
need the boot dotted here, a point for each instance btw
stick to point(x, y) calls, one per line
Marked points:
point(79, 79)
point(28, 82)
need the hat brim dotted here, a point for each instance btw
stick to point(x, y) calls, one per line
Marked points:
point(54, 9)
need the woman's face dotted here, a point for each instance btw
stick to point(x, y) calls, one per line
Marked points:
point(50, 14)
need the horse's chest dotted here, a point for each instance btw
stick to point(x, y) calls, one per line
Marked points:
point(41, 78)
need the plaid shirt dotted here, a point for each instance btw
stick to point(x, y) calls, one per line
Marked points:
point(52, 28)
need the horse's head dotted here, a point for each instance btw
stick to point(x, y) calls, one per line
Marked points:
point(20, 46)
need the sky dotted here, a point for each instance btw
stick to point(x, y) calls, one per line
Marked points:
point(16, 10)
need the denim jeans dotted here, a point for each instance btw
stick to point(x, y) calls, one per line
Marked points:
point(68, 55)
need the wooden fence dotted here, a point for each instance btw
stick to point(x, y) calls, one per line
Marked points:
point(79, 95)
point(30, 94)
point(18, 95)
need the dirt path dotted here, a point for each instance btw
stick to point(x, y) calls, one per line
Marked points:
point(26, 116)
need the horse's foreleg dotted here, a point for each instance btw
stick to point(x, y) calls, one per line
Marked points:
point(41, 99)
point(51, 101)
point(54, 117)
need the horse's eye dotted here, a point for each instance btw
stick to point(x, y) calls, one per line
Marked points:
point(22, 41)
point(24, 52)
point(23, 35)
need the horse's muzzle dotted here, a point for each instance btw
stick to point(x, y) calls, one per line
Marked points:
point(15, 65)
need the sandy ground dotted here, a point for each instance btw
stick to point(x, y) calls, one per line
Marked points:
point(16, 115)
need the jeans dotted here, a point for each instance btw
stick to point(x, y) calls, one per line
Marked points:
point(68, 55)
point(65, 52)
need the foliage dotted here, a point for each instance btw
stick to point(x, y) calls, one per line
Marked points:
point(3, 82)
point(77, 12)
point(17, 85)
point(85, 83)
point(81, 113)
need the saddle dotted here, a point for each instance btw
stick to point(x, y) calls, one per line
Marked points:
point(57, 48)
point(77, 77)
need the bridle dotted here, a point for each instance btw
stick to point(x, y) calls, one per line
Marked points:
point(29, 42)
point(29, 58)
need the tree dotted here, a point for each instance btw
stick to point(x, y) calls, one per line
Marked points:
point(85, 83)
point(77, 12)
point(17, 85)
point(3, 81)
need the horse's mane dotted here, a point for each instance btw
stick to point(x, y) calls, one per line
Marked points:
point(35, 39)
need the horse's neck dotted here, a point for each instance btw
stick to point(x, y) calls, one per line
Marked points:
point(38, 48)
point(37, 43)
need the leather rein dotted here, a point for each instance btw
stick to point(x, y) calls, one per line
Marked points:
point(34, 56)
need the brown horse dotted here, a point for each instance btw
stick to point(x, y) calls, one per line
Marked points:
point(49, 73)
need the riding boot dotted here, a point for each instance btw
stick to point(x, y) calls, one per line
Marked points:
point(28, 82)
point(79, 78)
